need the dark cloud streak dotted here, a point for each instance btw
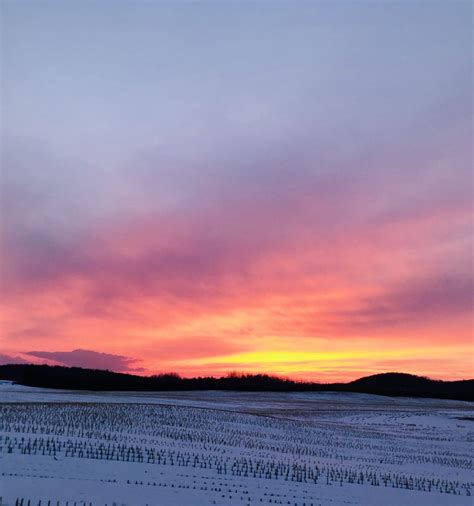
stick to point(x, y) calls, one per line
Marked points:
point(89, 359)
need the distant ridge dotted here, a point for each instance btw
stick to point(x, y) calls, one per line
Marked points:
point(76, 378)
point(409, 385)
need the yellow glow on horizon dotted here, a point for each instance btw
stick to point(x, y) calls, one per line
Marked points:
point(289, 356)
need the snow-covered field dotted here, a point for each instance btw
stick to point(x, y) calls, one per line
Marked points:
point(232, 448)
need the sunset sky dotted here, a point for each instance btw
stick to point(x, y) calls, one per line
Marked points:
point(205, 187)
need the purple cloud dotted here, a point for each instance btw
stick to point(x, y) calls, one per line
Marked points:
point(9, 359)
point(89, 359)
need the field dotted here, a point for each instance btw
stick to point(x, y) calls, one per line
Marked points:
point(232, 448)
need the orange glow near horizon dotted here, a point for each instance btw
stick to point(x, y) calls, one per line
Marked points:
point(281, 319)
point(260, 335)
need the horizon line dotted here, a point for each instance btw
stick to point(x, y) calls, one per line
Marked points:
point(236, 375)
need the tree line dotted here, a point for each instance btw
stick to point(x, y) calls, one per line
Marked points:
point(77, 378)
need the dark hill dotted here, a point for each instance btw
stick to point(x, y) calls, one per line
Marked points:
point(393, 380)
point(395, 383)
point(76, 378)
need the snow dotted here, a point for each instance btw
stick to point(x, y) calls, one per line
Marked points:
point(229, 448)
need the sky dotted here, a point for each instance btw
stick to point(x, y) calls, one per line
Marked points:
point(206, 187)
